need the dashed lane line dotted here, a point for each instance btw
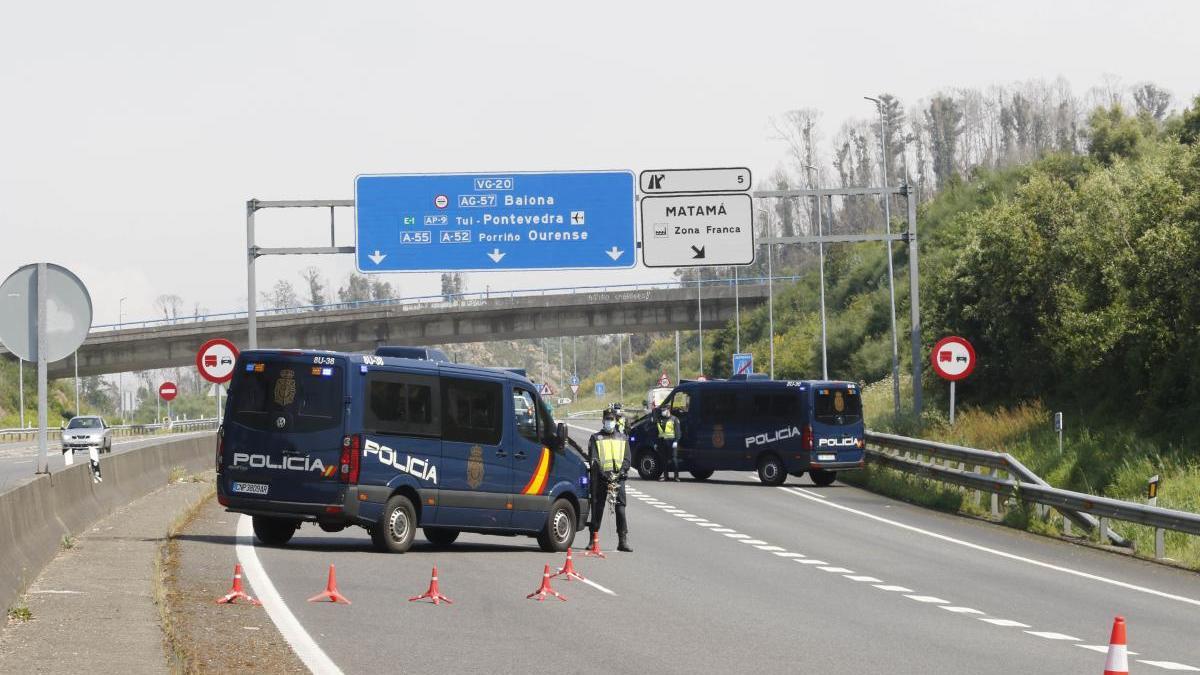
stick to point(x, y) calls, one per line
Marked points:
point(1169, 665)
point(1053, 636)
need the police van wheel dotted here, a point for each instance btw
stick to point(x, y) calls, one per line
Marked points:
point(771, 471)
point(821, 477)
point(440, 537)
point(702, 475)
point(274, 531)
point(559, 532)
point(396, 528)
point(648, 465)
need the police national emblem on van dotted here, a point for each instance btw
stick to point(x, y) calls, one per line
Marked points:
point(285, 388)
point(475, 467)
point(718, 437)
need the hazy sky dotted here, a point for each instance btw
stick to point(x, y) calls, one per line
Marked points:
point(132, 133)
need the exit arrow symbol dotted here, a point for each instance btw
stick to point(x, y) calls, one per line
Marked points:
point(699, 253)
point(614, 252)
point(377, 257)
point(496, 255)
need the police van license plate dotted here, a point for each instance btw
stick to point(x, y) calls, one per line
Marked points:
point(827, 457)
point(251, 488)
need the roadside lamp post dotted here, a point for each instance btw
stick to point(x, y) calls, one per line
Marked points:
point(887, 219)
point(821, 271)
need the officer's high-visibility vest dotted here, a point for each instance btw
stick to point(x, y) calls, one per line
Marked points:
point(666, 429)
point(611, 453)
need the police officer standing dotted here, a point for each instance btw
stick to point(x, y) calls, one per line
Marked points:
point(608, 454)
point(666, 426)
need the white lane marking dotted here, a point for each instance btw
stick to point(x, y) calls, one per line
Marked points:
point(928, 598)
point(723, 529)
point(737, 535)
point(859, 577)
point(1169, 665)
point(695, 519)
point(753, 542)
point(960, 610)
point(301, 642)
point(665, 506)
point(789, 554)
point(1052, 636)
point(1103, 649)
point(49, 592)
point(809, 561)
point(893, 589)
point(709, 524)
point(1007, 623)
point(997, 552)
point(836, 570)
point(808, 492)
point(597, 586)
point(675, 511)
point(769, 548)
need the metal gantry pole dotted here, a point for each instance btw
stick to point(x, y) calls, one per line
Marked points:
point(821, 272)
point(677, 380)
point(887, 219)
point(251, 285)
point(700, 314)
point(771, 299)
point(21, 389)
point(914, 299)
point(574, 358)
point(77, 410)
point(737, 313)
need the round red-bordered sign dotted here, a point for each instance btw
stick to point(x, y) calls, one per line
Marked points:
point(215, 360)
point(168, 391)
point(953, 358)
point(441, 201)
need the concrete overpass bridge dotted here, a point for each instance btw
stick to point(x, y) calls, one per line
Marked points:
point(475, 317)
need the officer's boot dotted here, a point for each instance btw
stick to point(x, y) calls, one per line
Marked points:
point(623, 543)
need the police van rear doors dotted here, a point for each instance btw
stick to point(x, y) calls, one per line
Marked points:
point(837, 423)
point(283, 427)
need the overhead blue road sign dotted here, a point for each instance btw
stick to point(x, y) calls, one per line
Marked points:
point(494, 221)
point(743, 364)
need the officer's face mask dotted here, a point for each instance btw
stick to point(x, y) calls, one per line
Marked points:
point(609, 426)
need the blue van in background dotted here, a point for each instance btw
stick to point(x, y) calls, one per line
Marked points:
point(393, 444)
point(752, 423)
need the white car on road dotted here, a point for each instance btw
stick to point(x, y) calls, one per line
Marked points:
point(85, 433)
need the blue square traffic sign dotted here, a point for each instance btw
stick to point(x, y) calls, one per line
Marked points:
point(494, 221)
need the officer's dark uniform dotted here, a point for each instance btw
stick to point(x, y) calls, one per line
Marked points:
point(608, 454)
point(667, 434)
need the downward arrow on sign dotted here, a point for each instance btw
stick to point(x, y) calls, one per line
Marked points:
point(614, 252)
point(377, 257)
point(496, 255)
point(699, 253)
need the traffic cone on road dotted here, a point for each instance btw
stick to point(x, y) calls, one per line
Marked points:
point(545, 589)
point(237, 591)
point(594, 551)
point(568, 569)
point(433, 593)
point(1118, 661)
point(331, 593)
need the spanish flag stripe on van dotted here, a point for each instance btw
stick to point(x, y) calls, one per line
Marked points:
point(537, 482)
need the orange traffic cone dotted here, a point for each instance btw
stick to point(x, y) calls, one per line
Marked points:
point(331, 592)
point(236, 592)
point(545, 589)
point(568, 569)
point(1118, 661)
point(594, 551)
point(433, 593)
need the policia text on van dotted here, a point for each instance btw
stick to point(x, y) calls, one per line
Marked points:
point(752, 423)
point(393, 444)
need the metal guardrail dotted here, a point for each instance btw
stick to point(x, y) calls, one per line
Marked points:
point(19, 434)
point(439, 300)
point(1023, 484)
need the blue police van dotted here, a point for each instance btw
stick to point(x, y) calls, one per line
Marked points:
point(393, 444)
point(750, 423)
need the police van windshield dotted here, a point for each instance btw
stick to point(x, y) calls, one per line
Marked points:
point(837, 406)
point(306, 397)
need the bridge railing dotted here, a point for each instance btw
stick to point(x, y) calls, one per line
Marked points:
point(177, 426)
point(1005, 476)
point(432, 301)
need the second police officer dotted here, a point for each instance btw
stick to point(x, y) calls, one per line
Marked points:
point(608, 453)
point(666, 429)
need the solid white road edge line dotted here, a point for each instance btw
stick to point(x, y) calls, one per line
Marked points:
point(597, 586)
point(301, 642)
point(996, 552)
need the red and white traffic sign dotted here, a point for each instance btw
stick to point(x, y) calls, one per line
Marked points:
point(167, 391)
point(664, 381)
point(953, 358)
point(215, 360)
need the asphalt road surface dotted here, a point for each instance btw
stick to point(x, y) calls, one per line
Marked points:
point(18, 461)
point(729, 575)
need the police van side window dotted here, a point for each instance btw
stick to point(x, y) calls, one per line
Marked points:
point(679, 403)
point(525, 412)
point(401, 404)
point(718, 404)
point(471, 411)
point(774, 406)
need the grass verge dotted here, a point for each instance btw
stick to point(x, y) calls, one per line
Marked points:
point(165, 563)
